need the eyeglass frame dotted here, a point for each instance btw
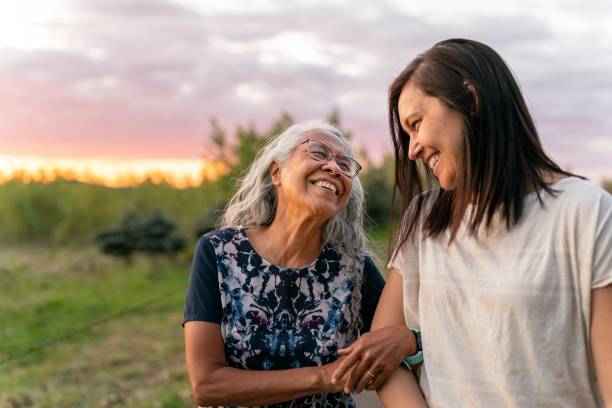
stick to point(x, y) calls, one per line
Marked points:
point(333, 156)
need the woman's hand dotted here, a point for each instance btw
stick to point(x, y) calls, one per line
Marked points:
point(214, 383)
point(326, 373)
point(371, 359)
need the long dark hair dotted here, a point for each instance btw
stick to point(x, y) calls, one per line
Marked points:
point(502, 157)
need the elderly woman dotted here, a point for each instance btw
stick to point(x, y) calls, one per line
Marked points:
point(286, 282)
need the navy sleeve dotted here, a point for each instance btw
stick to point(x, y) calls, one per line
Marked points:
point(371, 289)
point(203, 299)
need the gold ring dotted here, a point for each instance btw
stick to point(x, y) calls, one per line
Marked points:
point(370, 374)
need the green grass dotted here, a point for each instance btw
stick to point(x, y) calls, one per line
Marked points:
point(135, 358)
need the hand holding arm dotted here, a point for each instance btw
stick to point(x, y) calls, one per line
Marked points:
point(371, 359)
point(382, 351)
point(401, 389)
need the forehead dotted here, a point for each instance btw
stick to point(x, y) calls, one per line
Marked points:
point(411, 100)
point(329, 140)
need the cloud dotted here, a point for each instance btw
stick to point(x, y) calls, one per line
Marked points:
point(142, 78)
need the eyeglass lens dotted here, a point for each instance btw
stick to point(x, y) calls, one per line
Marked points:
point(321, 152)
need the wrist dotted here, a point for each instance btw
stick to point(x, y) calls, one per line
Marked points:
point(409, 343)
point(318, 379)
point(416, 357)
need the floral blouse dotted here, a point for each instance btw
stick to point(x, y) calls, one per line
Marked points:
point(276, 318)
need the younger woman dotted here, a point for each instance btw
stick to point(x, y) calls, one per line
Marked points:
point(506, 268)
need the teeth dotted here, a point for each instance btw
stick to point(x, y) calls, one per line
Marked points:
point(327, 185)
point(433, 161)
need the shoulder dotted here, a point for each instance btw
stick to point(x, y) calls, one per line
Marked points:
point(419, 207)
point(371, 273)
point(426, 198)
point(225, 234)
point(578, 207)
point(581, 196)
point(220, 237)
point(361, 259)
point(369, 264)
point(585, 188)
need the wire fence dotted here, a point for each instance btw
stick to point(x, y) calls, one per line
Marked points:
point(66, 335)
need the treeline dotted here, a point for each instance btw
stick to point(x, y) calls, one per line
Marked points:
point(69, 212)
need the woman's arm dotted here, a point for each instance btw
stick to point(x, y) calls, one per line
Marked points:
point(601, 339)
point(213, 383)
point(381, 351)
point(401, 389)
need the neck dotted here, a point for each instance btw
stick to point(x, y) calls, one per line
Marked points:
point(292, 240)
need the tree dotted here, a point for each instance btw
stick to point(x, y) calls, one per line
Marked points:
point(607, 185)
point(219, 143)
point(377, 180)
point(250, 141)
point(152, 235)
point(283, 122)
point(120, 241)
point(334, 119)
point(156, 235)
point(239, 154)
point(378, 186)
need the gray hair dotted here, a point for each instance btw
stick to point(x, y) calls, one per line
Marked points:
point(254, 203)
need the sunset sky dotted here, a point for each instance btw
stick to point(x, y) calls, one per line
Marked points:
point(113, 86)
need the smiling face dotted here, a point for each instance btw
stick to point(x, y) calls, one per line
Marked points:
point(317, 188)
point(435, 130)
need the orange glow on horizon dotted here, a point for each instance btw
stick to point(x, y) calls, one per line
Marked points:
point(111, 173)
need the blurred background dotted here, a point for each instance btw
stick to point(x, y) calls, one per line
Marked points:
point(124, 125)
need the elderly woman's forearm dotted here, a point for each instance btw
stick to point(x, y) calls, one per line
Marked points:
point(232, 386)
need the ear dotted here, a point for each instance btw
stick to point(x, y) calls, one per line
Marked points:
point(275, 173)
point(475, 102)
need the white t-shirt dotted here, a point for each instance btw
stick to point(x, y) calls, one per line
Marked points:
point(505, 317)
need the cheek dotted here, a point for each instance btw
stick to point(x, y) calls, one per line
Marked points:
point(456, 149)
point(296, 173)
point(455, 138)
point(348, 187)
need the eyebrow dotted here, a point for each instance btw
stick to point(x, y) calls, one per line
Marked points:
point(333, 149)
point(408, 118)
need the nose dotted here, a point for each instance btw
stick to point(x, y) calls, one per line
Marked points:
point(332, 167)
point(414, 148)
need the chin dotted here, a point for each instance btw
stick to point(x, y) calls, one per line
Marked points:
point(328, 215)
point(324, 207)
point(327, 212)
point(447, 185)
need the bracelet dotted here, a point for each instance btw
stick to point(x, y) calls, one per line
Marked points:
point(416, 358)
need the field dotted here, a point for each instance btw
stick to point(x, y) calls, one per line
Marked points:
point(83, 329)
point(80, 329)
point(110, 333)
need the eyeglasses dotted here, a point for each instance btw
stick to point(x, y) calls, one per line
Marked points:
point(320, 152)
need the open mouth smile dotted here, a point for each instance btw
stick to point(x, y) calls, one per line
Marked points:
point(433, 160)
point(326, 185)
